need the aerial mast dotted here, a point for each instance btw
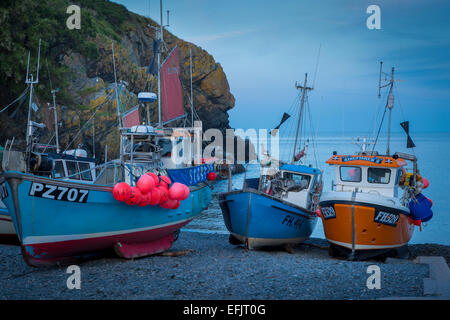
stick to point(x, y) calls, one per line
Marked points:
point(304, 89)
point(53, 92)
point(31, 81)
point(390, 105)
point(160, 39)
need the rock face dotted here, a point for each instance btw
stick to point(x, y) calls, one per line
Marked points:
point(86, 76)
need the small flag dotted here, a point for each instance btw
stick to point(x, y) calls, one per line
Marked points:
point(409, 143)
point(283, 119)
point(34, 107)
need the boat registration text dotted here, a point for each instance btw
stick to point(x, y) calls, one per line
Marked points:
point(61, 193)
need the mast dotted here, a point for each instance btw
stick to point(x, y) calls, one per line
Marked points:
point(53, 92)
point(304, 88)
point(31, 81)
point(192, 98)
point(115, 85)
point(160, 37)
point(390, 105)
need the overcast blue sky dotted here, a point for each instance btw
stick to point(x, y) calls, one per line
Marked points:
point(265, 46)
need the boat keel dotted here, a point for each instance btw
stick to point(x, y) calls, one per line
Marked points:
point(142, 249)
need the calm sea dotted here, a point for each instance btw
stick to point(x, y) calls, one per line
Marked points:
point(432, 151)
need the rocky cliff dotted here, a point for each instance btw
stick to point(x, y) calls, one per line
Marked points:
point(79, 63)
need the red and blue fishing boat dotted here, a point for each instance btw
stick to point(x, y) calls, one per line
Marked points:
point(62, 204)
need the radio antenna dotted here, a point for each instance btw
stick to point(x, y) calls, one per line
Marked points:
point(379, 80)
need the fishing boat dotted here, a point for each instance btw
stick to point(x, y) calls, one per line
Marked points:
point(63, 208)
point(7, 232)
point(278, 208)
point(375, 203)
point(6, 224)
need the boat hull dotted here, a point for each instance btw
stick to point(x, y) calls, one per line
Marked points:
point(7, 231)
point(51, 228)
point(6, 225)
point(356, 223)
point(259, 220)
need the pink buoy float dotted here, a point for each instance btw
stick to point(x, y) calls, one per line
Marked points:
point(169, 204)
point(164, 194)
point(145, 183)
point(165, 182)
point(122, 191)
point(155, 197)
point(176, 205)
point(211, 176)
point(154, 177)
point(145, 199)
point(186, 192)
point(177, 191)
point(135, 197)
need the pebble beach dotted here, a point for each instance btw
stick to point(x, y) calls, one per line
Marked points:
point(209, 267)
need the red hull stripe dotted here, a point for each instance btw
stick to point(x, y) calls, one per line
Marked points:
point(51, 250)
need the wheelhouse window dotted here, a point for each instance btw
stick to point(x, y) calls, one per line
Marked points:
point(378, 175)
point(58, 171)
point(350, 174)
point(166, 146)
point(85, 171)
point(72, 170)
point(298, 179)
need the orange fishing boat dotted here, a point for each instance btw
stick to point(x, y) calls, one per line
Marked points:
point(374, 204)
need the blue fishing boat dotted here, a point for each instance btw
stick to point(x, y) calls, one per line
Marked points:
point(279, 207)
point(62, 204)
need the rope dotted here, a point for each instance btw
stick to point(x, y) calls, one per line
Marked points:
point(17, 99)
point(108, 97)
point(313, 136)
point(379, 129)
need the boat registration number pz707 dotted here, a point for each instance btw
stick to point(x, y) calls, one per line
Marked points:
point(328, 212)
point(3, 191)
point(48, 191)
point(387, 218)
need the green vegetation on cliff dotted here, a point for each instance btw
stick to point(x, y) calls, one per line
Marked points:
point(79, 62)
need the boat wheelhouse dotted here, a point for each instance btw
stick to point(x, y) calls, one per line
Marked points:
point(364, 209)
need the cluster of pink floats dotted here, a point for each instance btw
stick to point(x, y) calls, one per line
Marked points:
point(153, 190)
